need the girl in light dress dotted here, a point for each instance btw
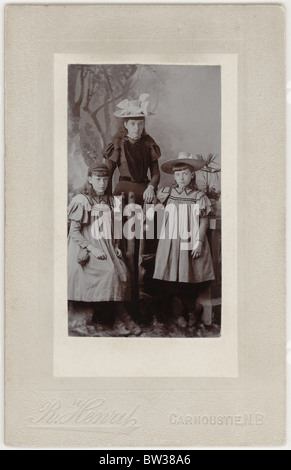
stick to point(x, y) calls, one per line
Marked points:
point(183, 260)
point(97, 274)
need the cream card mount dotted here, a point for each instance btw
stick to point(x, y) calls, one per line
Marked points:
point(185, 394)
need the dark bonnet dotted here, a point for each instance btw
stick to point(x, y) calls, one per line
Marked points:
point(98, 169)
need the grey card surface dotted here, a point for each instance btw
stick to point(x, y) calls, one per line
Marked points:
point(151, 344)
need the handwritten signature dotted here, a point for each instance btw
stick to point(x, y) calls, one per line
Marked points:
point(92, 414)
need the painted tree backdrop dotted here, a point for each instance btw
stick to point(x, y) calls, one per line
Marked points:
point(185, 100)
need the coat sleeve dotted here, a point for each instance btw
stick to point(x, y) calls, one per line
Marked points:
point(155, 173)
point(155, 154)
point(113, 150)
point(155, 151)
point(112, 158)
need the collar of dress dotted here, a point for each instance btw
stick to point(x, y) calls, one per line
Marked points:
point(186, 190)
point(100, 199)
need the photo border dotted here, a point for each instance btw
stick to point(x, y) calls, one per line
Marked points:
point(137, 356)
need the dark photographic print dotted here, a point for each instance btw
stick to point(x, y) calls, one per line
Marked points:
point(144, 201)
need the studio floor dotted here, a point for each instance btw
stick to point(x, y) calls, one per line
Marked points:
point(176, 326)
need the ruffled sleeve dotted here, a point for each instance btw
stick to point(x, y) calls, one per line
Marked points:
point(163, 194)
point(155, 152)
point(113, 150)
point(79, 210)
point(79, 215)
point(205, 207)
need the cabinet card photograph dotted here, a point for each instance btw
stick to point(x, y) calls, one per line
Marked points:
point(145, 225)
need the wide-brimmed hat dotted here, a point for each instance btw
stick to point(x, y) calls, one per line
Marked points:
point(196, 162)
point(134, 108)
point(98, 169)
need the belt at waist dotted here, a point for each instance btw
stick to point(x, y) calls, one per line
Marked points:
point(127, 178)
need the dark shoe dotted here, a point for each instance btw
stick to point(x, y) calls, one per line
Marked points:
point(181, 322)
point(192, 319)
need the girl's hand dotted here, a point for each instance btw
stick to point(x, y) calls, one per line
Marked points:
point(196, 252)
point(99, 254)
point(118, 252)
point(149, 194)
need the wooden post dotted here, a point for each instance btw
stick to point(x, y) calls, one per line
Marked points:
point(215, 247)
point(123, 241)
point(131, 253)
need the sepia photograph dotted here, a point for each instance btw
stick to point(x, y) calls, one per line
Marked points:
point(144, 201)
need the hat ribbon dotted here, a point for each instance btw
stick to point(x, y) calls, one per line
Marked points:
point(134, 106)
